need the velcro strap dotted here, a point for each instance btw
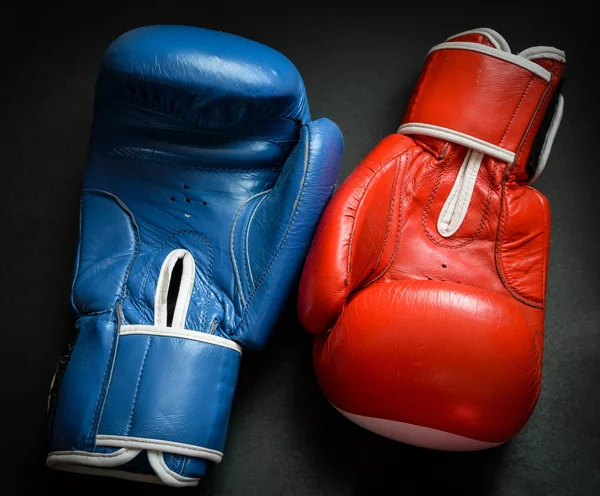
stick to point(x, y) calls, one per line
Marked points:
point(170, 390)
point(485, 98)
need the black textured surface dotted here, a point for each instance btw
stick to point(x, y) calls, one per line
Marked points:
point(359, 65)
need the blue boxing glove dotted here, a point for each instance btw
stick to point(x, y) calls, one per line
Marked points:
point(204, 184)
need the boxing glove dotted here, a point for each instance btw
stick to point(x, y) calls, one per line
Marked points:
point(425, 283)
point(204, 183)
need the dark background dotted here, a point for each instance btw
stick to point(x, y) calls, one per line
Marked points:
point(359, 65)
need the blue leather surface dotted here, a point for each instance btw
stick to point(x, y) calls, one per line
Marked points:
point(109, 242)
point(243, 83)
point(84, 385)
point(201, 141)
point(159, 389)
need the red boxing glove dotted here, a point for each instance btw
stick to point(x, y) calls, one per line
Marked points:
point(425, 284)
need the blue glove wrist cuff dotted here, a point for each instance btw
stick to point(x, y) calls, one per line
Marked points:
point(171, 387)
point(169, 392)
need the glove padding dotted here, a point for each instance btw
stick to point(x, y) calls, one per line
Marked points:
point(204, 184)
point(425, 284)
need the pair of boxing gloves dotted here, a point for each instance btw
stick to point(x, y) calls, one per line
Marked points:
point(208, 188)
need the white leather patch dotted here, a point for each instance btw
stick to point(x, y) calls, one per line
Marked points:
point(184, 293)
point(127, 330)
point(458, 138)
point(159, 445)
point(455, 209)
point(417, 435)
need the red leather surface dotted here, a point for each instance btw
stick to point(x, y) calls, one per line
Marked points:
point(485, 97)
point(437, 354)
point(457, 84)
point(410, 326)
point(344, 252)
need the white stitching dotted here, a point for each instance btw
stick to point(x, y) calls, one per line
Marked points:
point(231, 239)
point(248, 235)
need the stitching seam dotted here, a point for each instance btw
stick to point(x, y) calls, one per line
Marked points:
point(162, 246)
point(536, 116)
point(169, 85)
point(95, 418)
point(76, 275)
point(359, 204)
point(158, 130)
point(389, 216)
point(400, 217)
point(209, 274)
point(545, 259)
point(137, 387)
point(498, 248)
point(483, 215)
point(245, 249)
point(109, 158)
point(516, 109)
point(106, 378)
point(285, 235)
point(236, 272)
